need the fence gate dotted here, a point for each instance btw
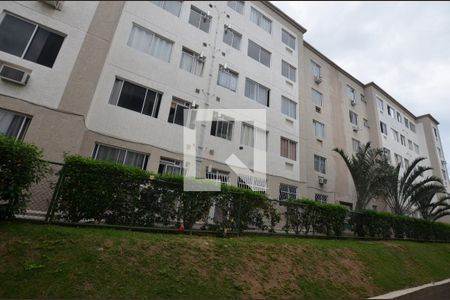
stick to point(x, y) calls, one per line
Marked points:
point(42, 193)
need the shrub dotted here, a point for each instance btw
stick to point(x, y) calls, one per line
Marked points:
point(305, 214)
point(99, 190)
point(21, 165)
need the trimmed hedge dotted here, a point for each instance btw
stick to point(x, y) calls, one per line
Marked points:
point(21, 165)
point(369, 223)
point(110, 193)
point(105, 192)
point(305, 215)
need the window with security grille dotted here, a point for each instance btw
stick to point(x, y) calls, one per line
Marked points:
point(170, 166)
point(321, 197)
point(255, 184)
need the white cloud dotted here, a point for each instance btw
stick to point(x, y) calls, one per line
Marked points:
point(402, 46)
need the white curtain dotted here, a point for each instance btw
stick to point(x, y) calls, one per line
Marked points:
point(150, 43)
point(247, 135)
point(228, 80)
point(250, 89)
point(6, 118)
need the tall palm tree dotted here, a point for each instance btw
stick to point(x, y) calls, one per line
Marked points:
point(366, 167)
point(401, 193)
point(432, 210)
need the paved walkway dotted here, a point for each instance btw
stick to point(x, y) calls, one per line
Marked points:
point(435, 291)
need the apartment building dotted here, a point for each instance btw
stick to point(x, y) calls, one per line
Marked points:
point(121, 80)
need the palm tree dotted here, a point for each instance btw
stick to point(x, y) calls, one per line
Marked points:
point(432, 210)
point(367, 169)
point(403, 193)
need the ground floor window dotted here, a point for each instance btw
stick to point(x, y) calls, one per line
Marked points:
point(252, 183)
point(13, 125)
point(170, 166)
point(218, 175)
point(321, 197)
point(121, 156)
point(287, 192)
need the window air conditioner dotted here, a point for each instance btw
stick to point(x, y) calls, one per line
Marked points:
point(12, 74)
point(55, 4)
point(318, 79)
point(322, 180)
point(355, 128)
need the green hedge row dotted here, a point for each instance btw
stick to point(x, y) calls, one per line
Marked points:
point(20, 167)
point(369, 223)
point(114, 194)
point(305, 215)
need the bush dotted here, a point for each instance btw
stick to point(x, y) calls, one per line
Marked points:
point(308, 215)
point(20, 166)
point(369, 223)
point(99, 190)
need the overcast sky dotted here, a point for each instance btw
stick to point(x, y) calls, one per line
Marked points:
point(404, 47)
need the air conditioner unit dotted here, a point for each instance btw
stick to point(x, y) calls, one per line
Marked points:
point(355, 128)
point(55, 4)
point(228, 26)
point(201, 57)
point(353, 102)
point(318, 109)
point(322, 180)
point(13, 74)
point(318, 79)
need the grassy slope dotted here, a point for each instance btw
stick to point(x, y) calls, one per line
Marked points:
point(50, 261)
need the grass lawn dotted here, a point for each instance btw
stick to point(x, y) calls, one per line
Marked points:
point(45, 261)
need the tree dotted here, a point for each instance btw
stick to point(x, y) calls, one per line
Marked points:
point(432, 210)
point(404, 194)
point(367, 169)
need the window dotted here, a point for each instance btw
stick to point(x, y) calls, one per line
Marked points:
point(390, 111)
point(174, 7)
point(317, 98)
point(403, 140)
point(435, 132)
point(380, 104)
point(218, 175)
point(177, 111)
point(356, 145)
point(315, 67)
point(170, 166)
point(288, 39)
point(416, 148)
point(351, 93)
point(366, 123)
point(406, 163)
point(287, 192)
point(383, 128)
point(387, 154)
point(134, 97)
point(406, 122)
point(399, 117)
point(363, 98)
point(410, 145)
point(192, 62)
point(319, 164)
point(395, 135)
point(232, 38)
point(222, 127)
point(288, 148)
point(120, 156)
point(199, 19)
point(149, 42)
point(319, 129)
point(257, 92)
point(321, 197)
point(288, 70)
point(251, 138)
point(398, 159)
point(13, 125)
point(237, 6)
point(261, 20)
point(227, 78)
point(412, 127)
point(288, 107)
point(29, 40)
point(258, 53)
point(439, 152)
point(353, 118)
